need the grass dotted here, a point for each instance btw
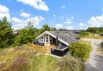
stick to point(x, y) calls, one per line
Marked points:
point(95, 36)
point(43, 63)
point(71, 64)
point(23, 58)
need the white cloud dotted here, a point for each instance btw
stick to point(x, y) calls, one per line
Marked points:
point(63, 6)
point(16, 20)
point(35, 20)
point(59, 26)
point(69, 20)
point(69, 27)
point(96, 21)
point(82, 26)
point(17, 23)
point(3, 9)
point(66, 25)
point(37, 4)
point(4, 15)
point(4, 12)
point(54, 15)
point(25, 14)
point(20, 23)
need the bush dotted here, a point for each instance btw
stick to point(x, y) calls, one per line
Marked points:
point(80, 49)
point(84, 34)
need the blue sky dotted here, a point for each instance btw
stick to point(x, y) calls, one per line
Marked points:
point(68, 14)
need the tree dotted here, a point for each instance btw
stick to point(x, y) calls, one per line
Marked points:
point(6, 36)
point(92, 29)
point(101, 30)
point(44, 28)
point(26, 35)
point(96, 30)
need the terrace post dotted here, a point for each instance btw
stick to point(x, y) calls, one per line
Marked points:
point(48, 40)
point(45, 40)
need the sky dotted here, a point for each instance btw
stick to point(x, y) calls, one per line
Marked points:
point(64, 14)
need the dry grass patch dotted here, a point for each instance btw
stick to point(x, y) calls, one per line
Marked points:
point(41, 49)
point(95, 36)
point(19, 64)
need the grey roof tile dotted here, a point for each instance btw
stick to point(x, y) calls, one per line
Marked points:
point(67, 36)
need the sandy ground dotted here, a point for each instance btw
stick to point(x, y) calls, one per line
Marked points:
point(95, 62)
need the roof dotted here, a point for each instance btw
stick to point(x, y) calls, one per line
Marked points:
point(67, 36)
point(64, 36)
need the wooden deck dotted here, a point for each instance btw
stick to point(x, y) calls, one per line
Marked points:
point(42, 49)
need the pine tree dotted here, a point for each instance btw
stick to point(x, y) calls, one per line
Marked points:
point(5, 33)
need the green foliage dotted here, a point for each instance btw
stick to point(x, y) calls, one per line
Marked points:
point(95, 30)
point(26, 35)
point(84, 34)
point(45, 28)
point(80, 49)
point(6, 36)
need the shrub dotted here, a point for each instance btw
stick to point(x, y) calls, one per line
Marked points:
point(80, 49)
point(84, 34)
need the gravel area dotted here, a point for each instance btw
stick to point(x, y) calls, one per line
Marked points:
point(95, 62)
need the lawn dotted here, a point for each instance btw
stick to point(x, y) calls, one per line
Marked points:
point(24, 58)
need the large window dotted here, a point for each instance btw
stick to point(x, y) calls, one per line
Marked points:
point(40, 40)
